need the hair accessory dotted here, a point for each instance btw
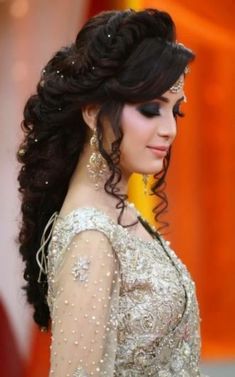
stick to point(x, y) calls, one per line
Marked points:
point(145, 178)
point(109, 35)
point(21, 152)
point(42, 82)
point(179, 83)
point(97, 164)
point(177, 86)
point(41, 257)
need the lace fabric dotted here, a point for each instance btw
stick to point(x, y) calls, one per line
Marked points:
point(120, 305)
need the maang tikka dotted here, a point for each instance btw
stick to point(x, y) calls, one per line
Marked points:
point(97, 164)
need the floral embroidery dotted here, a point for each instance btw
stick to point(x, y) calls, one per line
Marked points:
point(80, 268)
point(154, 318)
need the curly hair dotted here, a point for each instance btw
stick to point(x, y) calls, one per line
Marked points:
point(118, 57)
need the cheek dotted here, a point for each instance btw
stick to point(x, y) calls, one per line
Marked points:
point(137, 132)
point(135, 129)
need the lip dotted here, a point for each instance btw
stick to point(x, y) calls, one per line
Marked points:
point(159, 151)
point(158, 147)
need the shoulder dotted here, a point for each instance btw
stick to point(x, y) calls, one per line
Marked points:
point(86, 229)
point(91, 241)
point(81, 220)
point(87, 246)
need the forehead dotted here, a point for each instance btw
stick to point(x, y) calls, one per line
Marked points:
point(171, 98)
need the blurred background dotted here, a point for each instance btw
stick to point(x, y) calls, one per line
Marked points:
point(201, 178)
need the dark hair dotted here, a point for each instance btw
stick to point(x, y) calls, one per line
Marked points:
point(117, 57)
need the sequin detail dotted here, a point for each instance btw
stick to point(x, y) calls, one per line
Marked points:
point(141, 316)
point(80, 372)
point(80, 269)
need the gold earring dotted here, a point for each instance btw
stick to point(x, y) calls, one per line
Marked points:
point(97, 164)
point(145, 178)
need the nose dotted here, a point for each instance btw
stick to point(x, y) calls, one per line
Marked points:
point(167, 127)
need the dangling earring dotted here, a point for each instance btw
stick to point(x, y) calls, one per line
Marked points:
point(145, 178)
point(97, 164)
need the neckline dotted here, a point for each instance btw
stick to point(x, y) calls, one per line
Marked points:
point(111, 220)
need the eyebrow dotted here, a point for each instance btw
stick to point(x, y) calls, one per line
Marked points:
point(165, 99)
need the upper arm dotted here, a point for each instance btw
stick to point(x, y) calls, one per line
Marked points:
point(84, 307)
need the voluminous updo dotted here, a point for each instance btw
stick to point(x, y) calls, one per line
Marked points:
point(118, 57)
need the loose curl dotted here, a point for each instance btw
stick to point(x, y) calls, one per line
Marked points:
point(118, 57)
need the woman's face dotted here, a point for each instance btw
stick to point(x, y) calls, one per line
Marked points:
point(147, 126)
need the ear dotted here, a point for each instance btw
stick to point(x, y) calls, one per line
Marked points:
point(89, 114)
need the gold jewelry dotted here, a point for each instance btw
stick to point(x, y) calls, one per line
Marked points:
point(21, 152)
point(145, 178)
point(97, 164)
point(178, 85)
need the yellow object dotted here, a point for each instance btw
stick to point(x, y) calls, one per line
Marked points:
point(133, 4)
point(144, 203)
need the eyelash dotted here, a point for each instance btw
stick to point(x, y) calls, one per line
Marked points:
point(178, 113)
point(150, 111)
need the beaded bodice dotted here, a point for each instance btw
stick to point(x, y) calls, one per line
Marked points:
point(148, 317)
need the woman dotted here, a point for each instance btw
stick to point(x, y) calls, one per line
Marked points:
point(115, 296)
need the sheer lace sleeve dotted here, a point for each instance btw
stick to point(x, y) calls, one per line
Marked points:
point(84, 308)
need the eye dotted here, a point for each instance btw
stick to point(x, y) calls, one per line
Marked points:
point(149, 110)
point(177, 112)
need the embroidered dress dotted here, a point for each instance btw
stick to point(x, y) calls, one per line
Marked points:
point(121, 306)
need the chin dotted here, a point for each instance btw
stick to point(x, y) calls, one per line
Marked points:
point(152, 172)
point(157, 168)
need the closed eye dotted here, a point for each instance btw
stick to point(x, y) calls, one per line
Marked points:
point(149, 110)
